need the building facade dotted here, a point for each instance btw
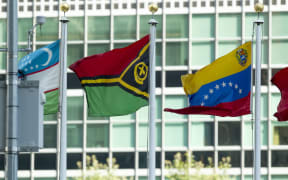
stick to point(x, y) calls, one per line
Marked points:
point(190, 35)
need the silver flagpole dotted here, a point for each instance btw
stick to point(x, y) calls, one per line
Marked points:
point(62, 114)
point(11, 155)
point(257, 151)
point(152, 98)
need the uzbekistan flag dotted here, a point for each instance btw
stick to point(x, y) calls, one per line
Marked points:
point(222, 88)
point(116, 82)
point(280, 80)
point(43, 65)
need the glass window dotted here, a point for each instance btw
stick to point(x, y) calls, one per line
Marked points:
point(3, 59)
point(24, 24)
point(97, 49)
point(125, 160)
point(175, 102)
point(44, 178)
point(158, 54)
point(280, 133)
point(99, 28)
point(249, 159)
point(74, 53)
point(248, 133)
point(45, 161)
point(143, 112)
point(279, 51)
point(125, 27)
point(279, 158)
point(123, 135)
point(143, 159)
point(250, 177)
point(279, 27)
point(3, 30)
point(202, 134)
point(176, 134)
point(279, 177)
point(145, 27)
point(176, 53)
point(275, 99)
point(50, 117)
point(24, 162)
point(124, 117)
point(233, 21)
point(203, 26)
point(229, 133)
point(203, 156)
point(203, 53)
point(2, 163)
point(177, 26)
point(143, 131)
point(75, 28)
point(72, 159)
point(75, 108)
point(226, 47)
point(121, 45)
point(48, 31)
point(50, 136)
point(250, 18)
point(235, 157)
point(75, 135)
point(97, 135)
point(101, 157)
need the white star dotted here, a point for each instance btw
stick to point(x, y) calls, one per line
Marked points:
point(236, 86)
point(36, 66)
point(223, 84)
point(29, 62)
point(25, 69)
point(205, 97)
point(202, 104)
point(211, 91)
point(230, 84)
point(240, 91)
point(31, 67)
point(217, 86)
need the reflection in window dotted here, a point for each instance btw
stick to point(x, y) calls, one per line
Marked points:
point(280, 158)
point(280, 135)
point(48, 31)
point(24, 24)
point(24, 162)
point(72, 159)
point(143, 158)
point(234, 21)
point(176, 53)
point(101, 157)
point(3, 30)
point(235, 157)
point(75, 135)
point(278, 27)
point(50, 136)
point(177, 26)
point(123, 130)
point(249, 158)
point(97, 49)
point(98, 28)
point(203, 25)
point(203, 156)
point(74, 53)
point(97, 135)
point(75, 28)
point(75, 108)
point(176, 135)
point(124, 27)
point(125, 160)
point(229, 133)
point(279, 51)
point(45, 161)
point(202, 134)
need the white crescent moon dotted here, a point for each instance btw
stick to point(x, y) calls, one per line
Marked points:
point(49, 56)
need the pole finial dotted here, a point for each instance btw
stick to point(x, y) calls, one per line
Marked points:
point(259, 7)
point(153, 8)
point(64, 7)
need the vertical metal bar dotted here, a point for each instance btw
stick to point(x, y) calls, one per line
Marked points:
point(152, 99)
point(63, 99)
point(11, 155)
point(257, 135)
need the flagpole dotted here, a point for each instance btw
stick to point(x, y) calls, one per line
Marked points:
point(257, 152)
point(11, 154)
point(152, 98)
point(62, 113)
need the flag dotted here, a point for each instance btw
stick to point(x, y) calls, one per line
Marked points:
point(221, 88)
point(43, 65)
point(115, 82)
point(280, 80)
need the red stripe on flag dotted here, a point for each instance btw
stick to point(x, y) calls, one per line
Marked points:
point(223, 109)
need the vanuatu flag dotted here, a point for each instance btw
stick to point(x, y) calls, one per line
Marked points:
point(116, 82)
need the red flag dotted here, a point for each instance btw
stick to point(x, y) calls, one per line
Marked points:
point(280, 80)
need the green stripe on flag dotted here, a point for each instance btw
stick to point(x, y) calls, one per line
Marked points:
point(112, 101)
point(51, 105)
